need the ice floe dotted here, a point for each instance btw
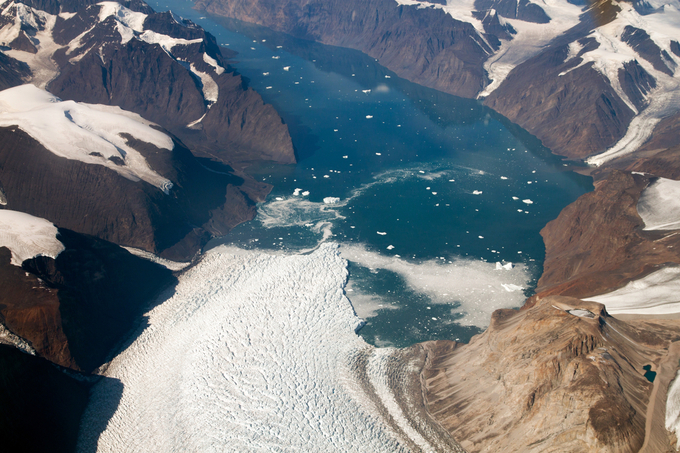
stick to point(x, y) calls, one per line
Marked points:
point(77, 131)
point(253, 352)
point(27, 236)
point(475, 284)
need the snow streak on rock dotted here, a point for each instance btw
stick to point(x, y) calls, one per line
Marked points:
point(252, 352)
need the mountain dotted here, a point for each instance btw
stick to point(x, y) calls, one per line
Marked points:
point(71, 297)
point(581, 76)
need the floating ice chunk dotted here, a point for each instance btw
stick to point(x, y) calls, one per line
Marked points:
point(504, 177)
point(381, 233)
point(365, 91)
point(434, 319)
point(331, 200)
point(326, 176)
point(286, 68)
point(305, 193)
point(515, 198)
point(276, 57)
point(480, 237)
point(527, 201)
point(279, 198)
point(378, 154)
point(268, 88)
point(509, 287)
point(434, 193)
point(265, 73)
point(369, 116)
point(296, 192)
point(387, 77)
point(345, 157)
point(476, 192)
point(452, 180)
point(390, 247)
point(27, 236)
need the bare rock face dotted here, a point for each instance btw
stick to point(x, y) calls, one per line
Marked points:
point(596, 244)
point(561, 376)
point(426, 46)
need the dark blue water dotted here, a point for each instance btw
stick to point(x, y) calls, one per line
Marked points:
point(430, 190)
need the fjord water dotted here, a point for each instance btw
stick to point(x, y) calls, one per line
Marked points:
point(424, 191)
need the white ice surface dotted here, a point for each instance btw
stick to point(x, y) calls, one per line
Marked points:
point(656, 294)
point(476, 285)
point(168, 264)
point(123, 15)
point(74, 130)
point(673, 408)
point(659, 205)
point(209, 86)
point(165, 41)
point(212, 62)
point(252, 352)
point(27, 236)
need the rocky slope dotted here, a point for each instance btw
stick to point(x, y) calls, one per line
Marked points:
point(560, 376)
point(113, 54)
point(582, 77)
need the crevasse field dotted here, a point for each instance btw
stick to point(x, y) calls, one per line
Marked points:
point(254, 352)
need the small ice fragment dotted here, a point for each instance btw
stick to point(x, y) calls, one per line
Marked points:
point(527, 201)
point(533, 171)
point(421, 171)
point(365, 91)
point(509, 287)
point(387, 77)
point(296, 192)
point(519, 210)
point(476, 192)
point(507, 266)
point(331, 200)
point(504, 177)
point(326, 176)
point(265, 73)
point(480, 237)
point(390, 247)
point(368, 117)
point(452, 180)
point(434, 193)
point(529, 182)
point(499, 266)
point(515, 198)
point(305, 193)
point(279, 47)
point(335, 130)
point(286, 68)
point(276, 57)
point(381, 233)
point(269, 88)
point(279, 199)
point(309, 225)
point(434, 319)
point(345, 157)
point(378, 154)
point(427, 188)
point(429, 308)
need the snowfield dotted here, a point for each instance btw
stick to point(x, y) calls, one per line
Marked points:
point(659, 205)
point(27, 236)
point(78, 131)
point(252, 352)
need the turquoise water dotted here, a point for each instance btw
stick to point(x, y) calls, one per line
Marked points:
point(428, 190)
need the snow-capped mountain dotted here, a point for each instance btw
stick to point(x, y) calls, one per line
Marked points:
point(164, 68)
point(583, 76)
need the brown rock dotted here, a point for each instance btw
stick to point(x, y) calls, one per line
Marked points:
point(596, 244)
point(543, 379)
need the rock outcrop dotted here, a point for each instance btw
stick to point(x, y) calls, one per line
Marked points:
point(561, 376)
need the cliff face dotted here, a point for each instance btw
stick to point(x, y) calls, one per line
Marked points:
point(73, 310)
point(597, 244)
point(560, 376)
point(423, 45)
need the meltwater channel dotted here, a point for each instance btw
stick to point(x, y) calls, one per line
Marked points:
point(430, 196)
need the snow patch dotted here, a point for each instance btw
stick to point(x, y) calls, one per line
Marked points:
point(165, 41)
point(659, 205)
point(673, 408)
point(212, 62)
point(123, 15)
point(656, 294)
point(209, 86)
point(75, 130)
point(27, 236)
